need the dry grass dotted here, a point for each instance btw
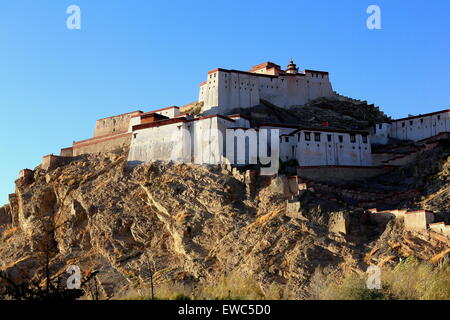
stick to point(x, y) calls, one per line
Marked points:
point(235, 286)
point(9, 233)
point(263, 219)
point(409, 280)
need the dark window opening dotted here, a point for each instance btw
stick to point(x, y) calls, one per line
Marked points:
point(353, 138)
point(341, 139)
point(317, 137)
point(308, 136)
point(329, 137)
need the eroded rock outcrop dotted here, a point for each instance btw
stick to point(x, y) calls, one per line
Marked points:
point(191, 223)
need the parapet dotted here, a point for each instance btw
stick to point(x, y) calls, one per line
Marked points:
point(50, 162)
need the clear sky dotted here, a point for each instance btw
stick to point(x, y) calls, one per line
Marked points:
point(146, 54)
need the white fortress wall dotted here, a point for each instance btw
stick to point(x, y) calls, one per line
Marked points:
point(170, 112)
point(134, 121)
point(421, 127)
point(166, 143)
point(225, 90)
point(380, 133)
point(207, 139)
point(283, 129)
point(334, 148)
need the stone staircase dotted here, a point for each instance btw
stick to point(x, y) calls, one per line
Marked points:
point(343, 98)
point(348, 197)
point(395, 158)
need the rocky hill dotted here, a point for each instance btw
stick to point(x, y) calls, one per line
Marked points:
point(339, 114)
point(189, 226)
point(343, 113)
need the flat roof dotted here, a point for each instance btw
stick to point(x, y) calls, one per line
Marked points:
point(154, 111)
point(176, 120)
point(301, 128)
point(258, 74)
point(422, 115)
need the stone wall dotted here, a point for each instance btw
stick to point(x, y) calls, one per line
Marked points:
point(418, 220)
point(50, 162)
point(114, 124)
point(104, 144)
point(441, 227)
point(340, 173)
point(66, 152)
point(339, 222)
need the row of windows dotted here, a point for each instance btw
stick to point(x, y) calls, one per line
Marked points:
point(411, 122)
point(317, 137)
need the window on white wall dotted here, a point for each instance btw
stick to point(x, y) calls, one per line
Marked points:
point(352, 138)
point(307, 136)
point(317, 137)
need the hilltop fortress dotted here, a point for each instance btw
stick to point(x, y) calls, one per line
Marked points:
point(320, 152)
point(225, 90)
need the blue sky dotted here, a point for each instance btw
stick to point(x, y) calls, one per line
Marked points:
point(142, 54)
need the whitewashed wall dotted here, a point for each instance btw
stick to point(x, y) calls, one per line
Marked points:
point(419, 128)
point(414, 128)
point(325, 152)
point(226, 90)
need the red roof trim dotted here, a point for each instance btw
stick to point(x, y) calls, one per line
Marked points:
point(266, 64)
point(157, 124)
point(102, 138)
point(211, 116)
point(300, 128)
point(154, 111)
point(176, 120)
point(101, 141)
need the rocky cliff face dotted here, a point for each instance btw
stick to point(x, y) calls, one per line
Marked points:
point(190, 223)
